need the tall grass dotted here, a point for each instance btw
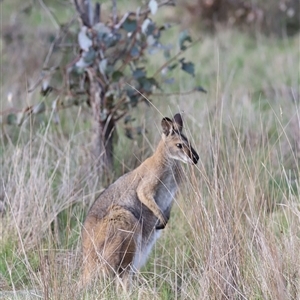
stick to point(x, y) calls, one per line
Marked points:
point(234, 232)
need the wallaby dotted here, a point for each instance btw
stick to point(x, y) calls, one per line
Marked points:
point(126, 219)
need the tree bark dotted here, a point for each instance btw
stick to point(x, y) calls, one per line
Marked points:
point(103, 144)
point(103, 119)
point(103, 126)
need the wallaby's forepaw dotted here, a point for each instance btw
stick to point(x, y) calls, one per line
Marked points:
point(161, 225)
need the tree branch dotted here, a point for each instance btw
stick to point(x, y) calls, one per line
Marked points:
point(174, 57)
point(20, 114)
point(114, 11)
point(142, 13)
point(97, 14)
point(194, 90)
point(82, 14)
point(50, 14)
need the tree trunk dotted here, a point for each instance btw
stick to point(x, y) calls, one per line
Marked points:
point(103, 121)
point(103, 145)
point(103, 126)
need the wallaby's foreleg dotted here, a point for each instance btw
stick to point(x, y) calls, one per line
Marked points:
point(146, 194)
point(167, 217)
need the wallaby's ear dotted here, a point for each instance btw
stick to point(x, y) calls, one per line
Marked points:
point(178, 124)
point(166, 125)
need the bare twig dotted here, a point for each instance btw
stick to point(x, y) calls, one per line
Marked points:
point(163, 3)
point(30, 109)
point(120, 116)
point(59, 36)
point(43, 75)
point(50, 14)
point(82, 14)
point(114, 12)
point(194, 90)
point(97, 14)
point(89, 10)
point(117, 105)
point(142, 13)
point(124, 18)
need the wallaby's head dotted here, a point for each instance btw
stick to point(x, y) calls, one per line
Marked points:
point(178, 145)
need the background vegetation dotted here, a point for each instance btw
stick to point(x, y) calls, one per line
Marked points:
point(234, 232)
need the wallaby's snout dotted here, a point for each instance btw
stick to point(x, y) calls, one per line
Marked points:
point(192, 155)
point(195, 156)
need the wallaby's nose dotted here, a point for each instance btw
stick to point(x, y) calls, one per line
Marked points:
point(195, 156)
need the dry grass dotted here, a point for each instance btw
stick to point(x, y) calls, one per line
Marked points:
point(235, 228)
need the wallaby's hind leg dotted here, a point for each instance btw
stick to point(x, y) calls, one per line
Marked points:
point(91, 240)
point(109, 245)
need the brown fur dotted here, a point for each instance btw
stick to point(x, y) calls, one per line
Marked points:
point(123, 223)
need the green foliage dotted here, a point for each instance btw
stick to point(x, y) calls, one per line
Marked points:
point(184, 38)
point(68, 224)
point(116, 52)
point(15, 265)
point(119, 50)
point(187, 67)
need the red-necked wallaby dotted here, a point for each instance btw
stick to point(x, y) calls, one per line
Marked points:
point(124, 222)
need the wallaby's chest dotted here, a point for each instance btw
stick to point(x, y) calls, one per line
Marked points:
point(165, 192)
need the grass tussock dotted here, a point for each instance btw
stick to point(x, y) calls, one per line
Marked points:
point(234, 230)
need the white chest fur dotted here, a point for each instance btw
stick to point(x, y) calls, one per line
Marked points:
point(165, 193)
point(143, 251)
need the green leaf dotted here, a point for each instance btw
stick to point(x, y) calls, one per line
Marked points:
point(145, 25)
point(111, 40)
point(20, 117)
point(169, 80)
point(139, 73)
point(103, 115)
point(200, 89)
point(103, 66)
point(183, 38)
point(116, 75)
point(39, 108)
point(128, 119)
point(106, 36)
point(11, 119)
point(89, 56)
point(129, 25)
point(172, 67)
point(135, 52)
point(134, 100)
point(79, 70)
point(147, 84)
point(188, 67)
point(153, 6)
point(101, 30)
point(83, 40)
point(167, 53)
point(80, 64)
point(151, 41)
point(133, 96)
point(148, 27)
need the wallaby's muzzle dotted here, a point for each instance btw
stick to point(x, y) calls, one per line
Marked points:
point(195, 156)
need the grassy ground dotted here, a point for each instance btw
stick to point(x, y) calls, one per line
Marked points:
point(234, 232)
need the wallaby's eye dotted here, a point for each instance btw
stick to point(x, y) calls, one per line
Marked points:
point(179, 146)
